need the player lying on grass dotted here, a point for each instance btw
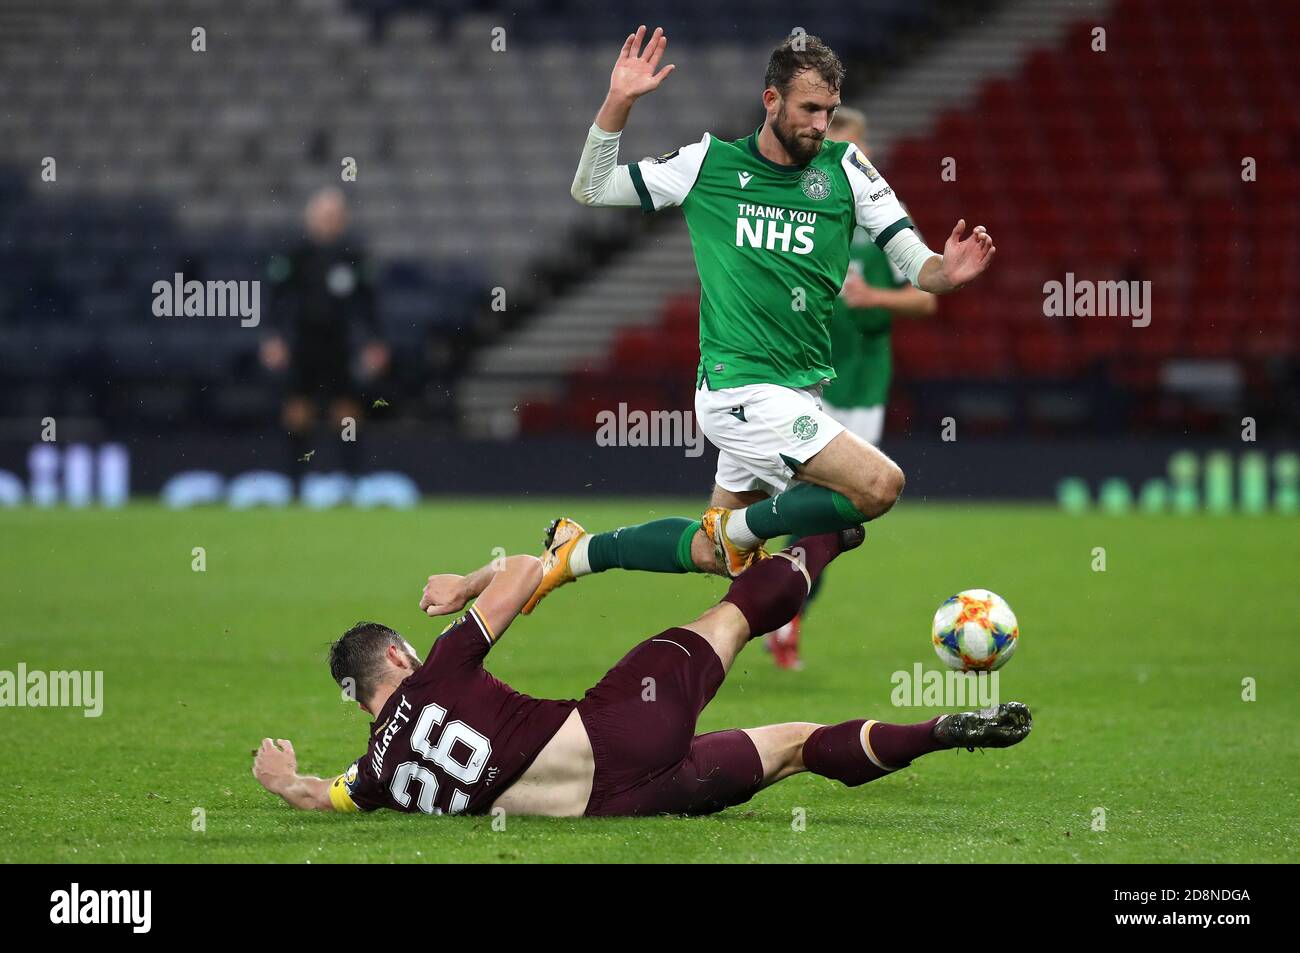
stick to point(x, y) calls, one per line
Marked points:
point(449, 738)
point(771, 219)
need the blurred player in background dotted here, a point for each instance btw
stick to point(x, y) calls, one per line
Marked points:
point(449, 738)
point(322, 295)
point(875, 292)
point(771, 218)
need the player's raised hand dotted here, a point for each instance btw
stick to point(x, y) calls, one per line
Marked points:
point(634, 73)
point(965, 259)
point(443, 595)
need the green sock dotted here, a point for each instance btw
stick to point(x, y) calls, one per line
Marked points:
point(802, 510)
point(658, 546)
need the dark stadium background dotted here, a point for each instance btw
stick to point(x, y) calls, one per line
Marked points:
point(1124, 164)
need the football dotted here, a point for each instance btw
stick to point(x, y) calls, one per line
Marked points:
point(975, 631)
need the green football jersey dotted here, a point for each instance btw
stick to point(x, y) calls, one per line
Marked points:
point(860, 336)
point(771, 247)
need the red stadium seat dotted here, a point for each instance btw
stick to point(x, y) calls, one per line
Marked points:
point(1073, 172)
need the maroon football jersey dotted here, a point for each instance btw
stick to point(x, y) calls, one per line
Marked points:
point(451, 738)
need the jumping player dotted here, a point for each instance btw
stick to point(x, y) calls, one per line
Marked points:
point(771, 218)
point(450, 738)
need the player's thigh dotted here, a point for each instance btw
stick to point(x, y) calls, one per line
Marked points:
point(641, 715)
point(733, 500)
point(863, 473)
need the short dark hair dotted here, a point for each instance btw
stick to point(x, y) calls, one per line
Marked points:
point(359, 655)
point(799, 52)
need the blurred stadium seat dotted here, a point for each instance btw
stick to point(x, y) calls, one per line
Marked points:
point(1074, 172)
point(174, 160)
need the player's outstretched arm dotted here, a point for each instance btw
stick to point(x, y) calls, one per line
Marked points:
point(600, 180)
point(878, 210)
point(276, 769)
point(498, 590)
point(963, 260)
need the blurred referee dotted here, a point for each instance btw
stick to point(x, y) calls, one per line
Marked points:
point(321, 295)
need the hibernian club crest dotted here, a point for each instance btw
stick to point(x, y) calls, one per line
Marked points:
point(815, 183)
point(805, 428)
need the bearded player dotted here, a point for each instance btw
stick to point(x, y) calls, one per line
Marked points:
point(449, 738)
point(771, 219)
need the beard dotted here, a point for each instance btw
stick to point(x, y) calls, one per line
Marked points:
point(801, 148)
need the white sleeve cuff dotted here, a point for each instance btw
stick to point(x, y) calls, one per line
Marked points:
point(908, 253)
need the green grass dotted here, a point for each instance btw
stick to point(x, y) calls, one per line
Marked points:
point(1133, 674)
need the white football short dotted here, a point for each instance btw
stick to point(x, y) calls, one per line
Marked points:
point(867, 422)
point(762, 431)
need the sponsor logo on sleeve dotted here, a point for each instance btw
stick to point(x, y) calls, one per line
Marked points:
point(865, 167)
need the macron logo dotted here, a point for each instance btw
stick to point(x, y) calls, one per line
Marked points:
point(744, 178)
point(102, 906)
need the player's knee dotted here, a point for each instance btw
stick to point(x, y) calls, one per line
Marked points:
point(880, 490)
point(897, 480)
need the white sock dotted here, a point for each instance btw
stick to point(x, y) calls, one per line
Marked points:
point(738, 531)
point(579, 565)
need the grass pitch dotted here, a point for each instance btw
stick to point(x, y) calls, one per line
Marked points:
point(1134, 675)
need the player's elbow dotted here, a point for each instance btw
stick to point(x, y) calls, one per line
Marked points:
point(579, 193)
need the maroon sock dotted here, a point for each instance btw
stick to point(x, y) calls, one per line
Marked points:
point(771, 592)
point(839, 752)
point(815, 552)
